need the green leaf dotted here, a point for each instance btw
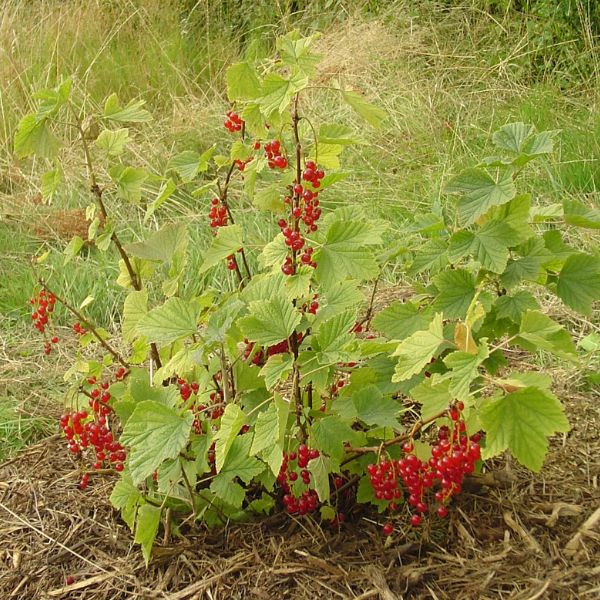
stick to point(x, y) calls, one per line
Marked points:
point(167, 189)
point(340, 296)
point(181, 362)
point(559, 251)
point(334, 133)
point(328, 155)
point(140, 390)
point(533, 255)
point(298, 285)
point(266, 429)
point(417, 349)
point(330, 434)
point(239, 463)
point(231, 422)
point(579, 282)
point(148, 520)
point(400, 319)
point(344, 253)
point(50, 182)
point(464, 367)
point(433, 395)
point(333, 335)
point(274, 253)
point(296, 52)
point(34, 137)
point(175, 319)
point(538, 331)
point(73, 249)
point(230, 492)
point(511, 137)
point(480, 192)
point(541, 143)
point(154, 432)
point(269, 199)
point(113, 141)
point(277, 369)
point(126, 497)
point(269, 322)
point(369, 112)
point(277, 92)
point(273, 455)
point(373, 408)
point(132, 113)
point(580, 215)
point(162, 245)
point(189, 163)
point(227, 241)
point(521, 422)
point(242, 82)
point(513, 307)
point(52, 99)
point(516, 215)
point(319, 469)
point(129, 181)
point(431, 256)
point(488, 245)
point(134, 308)
point(332, 179)
point(456, 290)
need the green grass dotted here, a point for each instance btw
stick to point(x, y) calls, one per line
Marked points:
point(18, 429)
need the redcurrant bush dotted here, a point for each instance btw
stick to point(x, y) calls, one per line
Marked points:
point(280, 387)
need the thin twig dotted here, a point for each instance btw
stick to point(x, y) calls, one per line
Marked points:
point(417, 426)
point(87, 323)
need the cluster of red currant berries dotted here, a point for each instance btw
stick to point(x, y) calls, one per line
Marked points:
point(83, 430)
point(217, 213)
point(233, 122)
point(79, 329)
point(258, 358)
point(453, 456)
point(288, 474)
point(186, 390)
point(275, 159)
point(43, 307)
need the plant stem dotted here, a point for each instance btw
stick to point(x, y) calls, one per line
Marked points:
point(417, 426)
point(97, 192)
point(296, 391)
point(190, 491)
point(88, 324)
point(223, 191)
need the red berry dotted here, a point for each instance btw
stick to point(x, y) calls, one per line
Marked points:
point(388, 529)
point(415, 520)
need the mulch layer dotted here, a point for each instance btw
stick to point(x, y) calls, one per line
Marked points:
point(513, 535)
